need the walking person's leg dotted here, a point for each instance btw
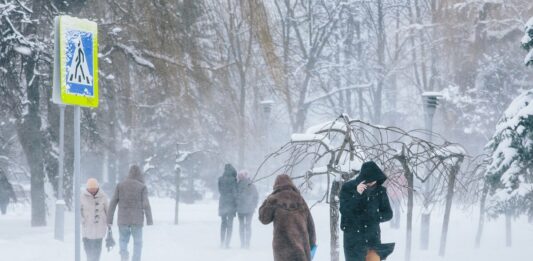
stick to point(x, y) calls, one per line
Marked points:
point(137, 233)
point(223, 229)
point(124, 239)
point(248, 229)
point(229, 230)
point(91, 249)
point(87, 248)
point(97, 249)
point(242, 232)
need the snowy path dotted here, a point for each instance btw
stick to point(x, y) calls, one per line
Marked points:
point(196, 238)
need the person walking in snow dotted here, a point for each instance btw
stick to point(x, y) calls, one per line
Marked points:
point(364, 204)
point(247, 200)
point(6, 192)
point(94, 205)
point(131, 197)
point(294, 228)
point(227, 203)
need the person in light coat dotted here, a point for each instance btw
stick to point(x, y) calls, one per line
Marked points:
point(247, 200)
point(94, 206)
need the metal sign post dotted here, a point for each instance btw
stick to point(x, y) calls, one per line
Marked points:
point(76, 84)
point(77, 169)
point(60, 203)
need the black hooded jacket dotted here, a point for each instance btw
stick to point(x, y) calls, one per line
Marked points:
point(362, 213)
point(227, 187)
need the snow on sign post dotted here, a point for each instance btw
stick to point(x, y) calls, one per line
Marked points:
point(75, 84)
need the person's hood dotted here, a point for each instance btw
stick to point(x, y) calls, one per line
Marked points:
point(230, 171)
point(371, 172)
point(284, 182)
point(136, 175)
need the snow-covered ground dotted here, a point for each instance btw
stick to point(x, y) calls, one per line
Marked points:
point(197, 237)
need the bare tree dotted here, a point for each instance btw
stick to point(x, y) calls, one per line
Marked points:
point(337, 149)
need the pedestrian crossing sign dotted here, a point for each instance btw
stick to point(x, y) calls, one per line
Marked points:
point(76, 62)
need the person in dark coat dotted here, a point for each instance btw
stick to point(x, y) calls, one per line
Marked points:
point(294, 229)
point(6, 192)
point(364, 204)
point(247, 200)
point(131, 197)
point(227, 203)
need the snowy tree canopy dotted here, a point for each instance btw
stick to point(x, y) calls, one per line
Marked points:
point(511, 147)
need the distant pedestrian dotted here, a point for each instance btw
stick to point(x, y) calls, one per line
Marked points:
point(294, 229)
point(6, 192)
point(364, 204)
point(131, 196)
point(247, 200)
point(227, 203)
point(94, 206)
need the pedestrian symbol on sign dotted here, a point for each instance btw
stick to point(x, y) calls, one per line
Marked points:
point(79, 70)
point(79, 63)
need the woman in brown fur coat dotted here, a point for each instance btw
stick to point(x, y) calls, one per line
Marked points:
point(294, 229)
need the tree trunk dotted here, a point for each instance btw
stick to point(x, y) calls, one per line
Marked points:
point(334, 219)
point(242, 120)
point(425, 221)
point(449, 199)
point(177, 196)
point(381, 38)
point(30, 139)
point(481, 222)
point(410, 200)
point(29, 130)
point(508, 231)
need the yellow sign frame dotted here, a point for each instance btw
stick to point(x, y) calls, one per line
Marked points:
point(81, 26)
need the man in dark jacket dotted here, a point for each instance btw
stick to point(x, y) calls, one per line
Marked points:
point(294, 228)
point(227, 205)
point(6, 192)
point(131, 196)
point(364, 204)
point(247, 199)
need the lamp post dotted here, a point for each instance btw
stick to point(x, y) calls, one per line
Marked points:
point(266, 106)
point(431, 101)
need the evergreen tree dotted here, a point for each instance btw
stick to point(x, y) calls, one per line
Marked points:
point(510, 173)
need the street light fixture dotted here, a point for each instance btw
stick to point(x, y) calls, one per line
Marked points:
point(431, 101)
